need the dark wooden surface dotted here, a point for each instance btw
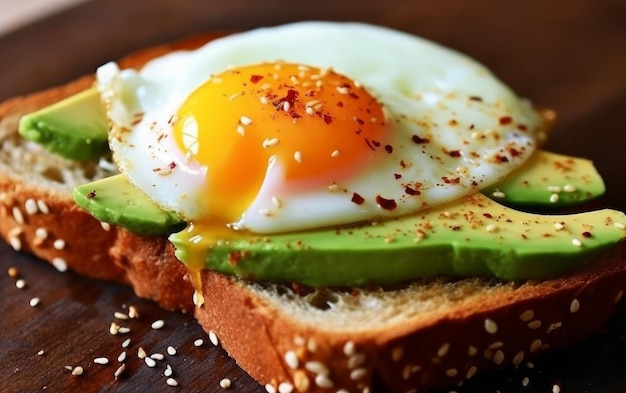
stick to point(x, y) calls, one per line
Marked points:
point(568, 55)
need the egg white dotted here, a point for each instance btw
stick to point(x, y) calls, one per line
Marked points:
point(426, 89)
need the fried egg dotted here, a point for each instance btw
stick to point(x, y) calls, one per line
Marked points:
point(313, 124)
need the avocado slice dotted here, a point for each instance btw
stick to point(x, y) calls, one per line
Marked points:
point(74, 128)
point(114, 200)
point(549, 179)
point(472, 237)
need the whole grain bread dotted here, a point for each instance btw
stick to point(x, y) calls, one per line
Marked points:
point(409, 337)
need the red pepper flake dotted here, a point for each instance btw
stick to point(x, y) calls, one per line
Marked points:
point(358, 199)
point(487, 215)
point(235, 256)
point(255, 78)
point(419, 140)
point(411, 191)
point(453, 123)
point(389, 149)
point(403, 164)
point(447, 180)
point(290, 98)
point(387, 204)
point(359, 121)
point(172, 165)
point(340, 104)
point(397, 175)
point(91, 195)
point(476, 98)
point(372, 144)
point(586, 234)
point(453, 153)
point(326, 117)
point(522, 127)
point(514, 152)
point(506, 120)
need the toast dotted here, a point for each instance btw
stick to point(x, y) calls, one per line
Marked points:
point(421, 335)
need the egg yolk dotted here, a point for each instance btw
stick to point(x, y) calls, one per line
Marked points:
point(317, 125)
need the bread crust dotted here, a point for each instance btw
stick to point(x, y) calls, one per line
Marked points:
point(499, 324)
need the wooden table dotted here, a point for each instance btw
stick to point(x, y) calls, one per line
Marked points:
point(568, 55)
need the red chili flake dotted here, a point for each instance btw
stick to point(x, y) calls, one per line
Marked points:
point(514, 152)
point(353, 95)
point(235, 256)
point(474, 183)
point(291, 98)
point(358, 199)
point(447, 180)
point(387, 204)
point(397, 175)
point(453, 123)
point(359, 121)
point(255, 78)
point(91, 195)
point(501, 159)
point(373, 145)
point(476, 98)
point(505, 120)
point(411, 191)
point(453, 153)
point(488, 215)
point(419, 140)
point(402, 164)
point(389, 149)
point(586, 234)
point(340, 104)
point(172, 165)
point(326, 117)
point(522, 127)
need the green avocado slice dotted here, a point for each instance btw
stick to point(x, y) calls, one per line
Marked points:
point(472, 237)
point(115, 201)
point(75, 128)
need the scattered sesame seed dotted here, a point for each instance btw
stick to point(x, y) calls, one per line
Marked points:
point(168, 371)
point(518, 358)
point(114, 328)
point(157, 356)
point(358, 373)
point(171, 350)
point(158, 324)
point(60, 264)
point(20, 283)
point(577, 242)
point(101, 360)
point(470, 372)
point(569, 188)
point(149, 362)
point(126, 343)
point(277, 202)
point(335, 153)
point(349, 348)
point(554, 198)
point(30, 206)
point(122, 357)
point(498, 357)
point(141, 353)
point(225, 383)
point(472, 350)
point(574, 306)
point(171, 382)
point(527, 315)
point(133, 312)
point(41, 352)
point(556, 388)
point(105, 225)
point(619, 296)
point(443, 350)
point(59, 244)
point(452, 372)
point(15, 243)
point(119, 371)
point(34, 302)
point(536, 324)
point(269, 388)
point(270, 142)
point(356, 360)
point(559, 226)
point(197, 298)
point(41, 233)
point(245, 120)
point(491, 228)
point(525, 381)
point(291, 359)
point(124, 330)
point(535, 345)
point(397, 353)
point(43, 207)
point(490, 326)
point(120, 315)
point(77, 371)
point(241, 130)
point(316, 367)
point(17, 215)
point(498, 194)
point(323, 381)
point(13, 272)
point(554, 189)
point(619, 225)
point(198, 343)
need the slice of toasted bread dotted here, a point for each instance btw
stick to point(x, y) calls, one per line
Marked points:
point(412, 337)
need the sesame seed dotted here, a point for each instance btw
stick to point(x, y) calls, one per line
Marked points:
point(114, 328)
point(264, 100)
point(43, 207)
point(525, 381)
point(285, 387)
point(323, 381)
point(105, 225)
point(41, 352)
point(556, 389)
point(452, 372)
point(291, 359)
point(527, 315)
point(225, 383)
point(498, 194)
point(119, 371)
point(277, 202)
point(491, 228)
point(149, 362)
point(569, 188)
point(133, 312)
point(41, 233)
point(20, 284)
point(286, 106)
point(349, 348)
point(15, 243)
point(245, 120)
point(356, 360)
point(197, 298)
point(536, 324)
point(157, 356)
point(213, 338)
point(559, 226)
point(443, 350)
point(34, 302)
point(518, 358)
point(619, 225)
point(120, 315)
point(124, 330)
point(316, 367)
point(17, 215)
point(198, 343)
point(168, 371)
point(619, 296)
point(335, 153)
point(126, 343)
point(577, 242)
point(343, 90)
point(472, 350)
point(358, 373)
point(101, 360)
point(158, 324)
point(30, 206)
point(554, 198)
point(171, 350)
point(309, 111)
point(13, 272)
point(122, 357)
point(171, 382)
point(141, 353)
point(59, 244)
point(498, 357)
point(269, 388)
point(298, 156)
point(470, 372)
point(241, 130)
point(535, 345)
point(490, 326)
point(574, 306)
point(496, 345)
point(60, 264)
point(270, 142)
point(77, 371)
point(554, 189)
point(397, 353)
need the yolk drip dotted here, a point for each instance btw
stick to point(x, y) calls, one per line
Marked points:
point(319, 126)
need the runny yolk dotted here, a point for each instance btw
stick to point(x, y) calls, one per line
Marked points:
point(317, 125)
